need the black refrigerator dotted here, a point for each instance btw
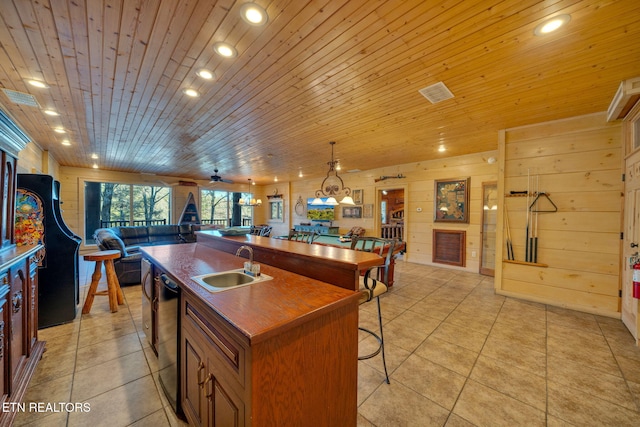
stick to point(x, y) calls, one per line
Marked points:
point(39, 220)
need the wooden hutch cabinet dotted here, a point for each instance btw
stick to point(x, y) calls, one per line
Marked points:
point(20, 349)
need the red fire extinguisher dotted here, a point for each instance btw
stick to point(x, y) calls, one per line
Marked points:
point(636, 279)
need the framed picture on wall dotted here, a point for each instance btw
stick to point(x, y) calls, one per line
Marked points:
point(357, 197)
point(352, 212)
point(367, 211)
point(451, 200)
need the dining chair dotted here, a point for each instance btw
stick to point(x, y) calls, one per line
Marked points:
point(265, 231)
point(373, 284)
point(355, 231)
point(302, 236)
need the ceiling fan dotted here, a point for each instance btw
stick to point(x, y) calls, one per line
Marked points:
point(217, 178)
point(385, 177)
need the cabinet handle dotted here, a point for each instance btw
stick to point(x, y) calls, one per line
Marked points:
point(144, 290)
point(16, 302)
point(5, 279)
point(208, 393)
point(200, 370)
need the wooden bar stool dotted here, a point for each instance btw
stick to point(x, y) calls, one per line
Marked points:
point(114, 292)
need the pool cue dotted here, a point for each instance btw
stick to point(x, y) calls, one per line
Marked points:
point(510, 255)
point(535, 228)
point(527, 255)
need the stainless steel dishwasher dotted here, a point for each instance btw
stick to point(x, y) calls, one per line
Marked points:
point(148, 303)
point(168, 328)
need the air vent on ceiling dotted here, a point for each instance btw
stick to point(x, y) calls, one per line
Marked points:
point(436, 93)
point(21, 98)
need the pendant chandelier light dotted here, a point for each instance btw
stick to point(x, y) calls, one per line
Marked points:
point(250, 201)
point(333, 186)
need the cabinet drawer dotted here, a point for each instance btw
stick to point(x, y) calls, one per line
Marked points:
point(226, 348)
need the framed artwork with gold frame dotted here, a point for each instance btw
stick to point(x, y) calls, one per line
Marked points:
point(451, 200)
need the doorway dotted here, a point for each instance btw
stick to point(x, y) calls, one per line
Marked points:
point(630, 305)
point(392, 213)
point(630, 251)
point(488, 230)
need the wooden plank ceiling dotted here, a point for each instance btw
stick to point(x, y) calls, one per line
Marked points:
point(325, 70)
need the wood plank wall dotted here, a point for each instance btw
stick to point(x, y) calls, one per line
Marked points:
point(578, 162)
point(418, 189)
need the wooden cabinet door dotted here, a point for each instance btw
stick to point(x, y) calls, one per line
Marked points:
point(208, 396)
point(194, 374)
point(17, 301)
point(225, 407)
point(32, 307)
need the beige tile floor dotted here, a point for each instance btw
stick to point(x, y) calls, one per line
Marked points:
point(458, 355)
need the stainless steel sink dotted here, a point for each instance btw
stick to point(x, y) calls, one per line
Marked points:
point(216, 282)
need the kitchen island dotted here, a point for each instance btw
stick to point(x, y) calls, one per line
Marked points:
point(326, 263)
point(276, 352)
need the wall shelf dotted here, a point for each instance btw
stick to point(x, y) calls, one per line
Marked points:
point(533, 264)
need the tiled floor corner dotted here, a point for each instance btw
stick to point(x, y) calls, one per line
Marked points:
point(458, 355)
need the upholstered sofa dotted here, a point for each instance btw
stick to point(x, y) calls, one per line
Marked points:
point(129, 239)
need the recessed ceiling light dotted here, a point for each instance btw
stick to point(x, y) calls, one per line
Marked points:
point(38, 83)
point(59, 130)
point(551, 25)
point(95, 166)
point(205, 74)
point(94, 156)
point(442, 149)
point(66, 142)
point(253, 14)
point(50, 113)
point(225, 49)
point(191, 92)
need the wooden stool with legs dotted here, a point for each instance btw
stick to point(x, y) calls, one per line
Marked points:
point(113, 286)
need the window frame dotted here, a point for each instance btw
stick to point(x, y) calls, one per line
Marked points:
point(82, 202)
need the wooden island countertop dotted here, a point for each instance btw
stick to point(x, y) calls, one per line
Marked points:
point(257, 310)
point(329, 264)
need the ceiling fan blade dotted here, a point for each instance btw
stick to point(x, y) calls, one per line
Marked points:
point(217, 178)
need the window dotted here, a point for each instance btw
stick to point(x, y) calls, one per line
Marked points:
point(276, 213)
point(109, 204)
point(221, 208)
